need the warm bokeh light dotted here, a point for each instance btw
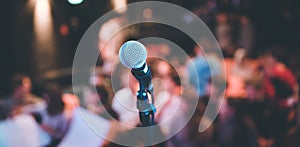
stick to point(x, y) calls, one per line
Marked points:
point(148, 13)
point(44, 42)
point(64, 30)
point(119, 5)
point(43, 23)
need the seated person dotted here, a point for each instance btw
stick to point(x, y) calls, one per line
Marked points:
point(55, 120)
point(21, 99)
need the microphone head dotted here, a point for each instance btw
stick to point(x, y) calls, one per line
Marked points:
point(133, 54)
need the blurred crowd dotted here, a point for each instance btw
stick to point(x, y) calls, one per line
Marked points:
point(257, 108)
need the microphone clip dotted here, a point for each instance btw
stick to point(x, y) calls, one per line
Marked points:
point(146, 109)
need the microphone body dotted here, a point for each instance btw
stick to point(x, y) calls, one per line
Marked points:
point(143, 75)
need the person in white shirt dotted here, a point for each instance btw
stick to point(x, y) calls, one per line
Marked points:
point(124, 103)
point(171, 107)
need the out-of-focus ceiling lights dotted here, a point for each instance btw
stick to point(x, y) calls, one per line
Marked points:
point(75, 2)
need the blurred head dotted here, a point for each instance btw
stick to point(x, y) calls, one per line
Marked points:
point(269, 59)
point(163, 68)
point(198, 50)
point(268, 62)
point(70, 100)
point(21, 85)
point(240, 55)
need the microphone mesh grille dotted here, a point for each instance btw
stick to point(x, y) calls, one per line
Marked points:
point(133, 54)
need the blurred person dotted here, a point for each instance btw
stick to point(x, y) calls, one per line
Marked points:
point(162, 68)
point(239, 70)
point(203, 67)
point(170, 105)
point(22, 100)
point(280, 82)
point(55, 120)
point(159, 70)
point(71, 102)
point(258, 110)
point(109, 42)
point(124, 101)
point(282, 92)
point(20, 129)
point(232, 127)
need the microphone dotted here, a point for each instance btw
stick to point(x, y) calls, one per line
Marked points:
point(133, 55)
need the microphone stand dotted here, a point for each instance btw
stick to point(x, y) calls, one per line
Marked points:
point(146, 108)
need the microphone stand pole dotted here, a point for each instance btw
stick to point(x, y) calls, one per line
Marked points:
point(146, 108)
